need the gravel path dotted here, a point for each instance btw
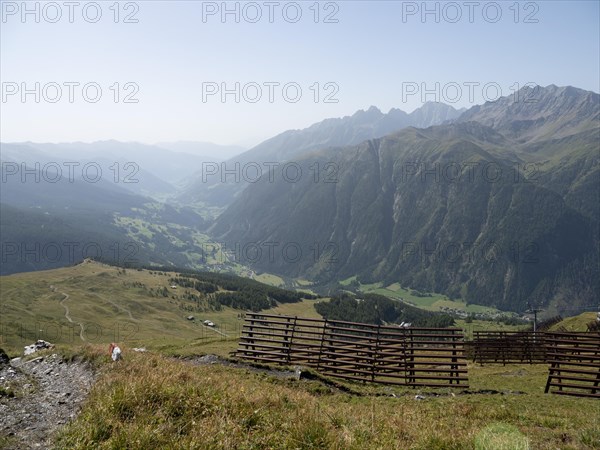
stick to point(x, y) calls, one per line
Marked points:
point(48, 393)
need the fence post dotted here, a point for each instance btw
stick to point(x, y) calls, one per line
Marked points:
point(251, 333)
point(376, 356)
point(291, 344)
point(286, 342)
point(321, 346)
point(554, 365)
point(597, 382)
point(404, 357)
point(411, 358)
point(476, 345)
point(454, 366)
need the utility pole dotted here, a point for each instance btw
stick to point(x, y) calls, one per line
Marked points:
point(534, 311)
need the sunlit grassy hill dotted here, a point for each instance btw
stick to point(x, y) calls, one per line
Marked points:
point(98, 303)
point(153, 401)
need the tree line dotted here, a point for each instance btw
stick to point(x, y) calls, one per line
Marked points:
point(378, 310)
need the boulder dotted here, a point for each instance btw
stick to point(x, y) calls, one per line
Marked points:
point(39, 345)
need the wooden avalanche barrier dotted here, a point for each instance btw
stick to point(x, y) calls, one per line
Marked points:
point(508, 347)
point(357, 351)
point(574, 360)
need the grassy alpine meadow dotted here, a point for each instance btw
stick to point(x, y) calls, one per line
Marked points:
point(97, 303)
point(161, 399)
point(150, 401)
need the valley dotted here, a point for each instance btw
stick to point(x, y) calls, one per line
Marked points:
point(471, 222)
point(300, 225)
point(414, 186)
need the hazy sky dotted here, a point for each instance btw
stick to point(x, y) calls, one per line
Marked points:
point(295, 63)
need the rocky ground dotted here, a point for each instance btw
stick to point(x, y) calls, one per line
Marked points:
point(38, 396)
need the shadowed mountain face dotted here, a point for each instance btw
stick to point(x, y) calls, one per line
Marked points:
point(555, 134)
point(499, 207)
point(219, 189)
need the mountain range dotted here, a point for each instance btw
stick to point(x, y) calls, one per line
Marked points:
point(220, 189)
point(498, 204)
point(499, 207)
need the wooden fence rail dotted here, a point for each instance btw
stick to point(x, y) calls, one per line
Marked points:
point(574, 360)
point(356, 351)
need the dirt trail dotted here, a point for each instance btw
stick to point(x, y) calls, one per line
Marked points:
point(62, 303)
point(68, 317)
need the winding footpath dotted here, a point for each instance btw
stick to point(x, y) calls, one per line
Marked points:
point(68, 317)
